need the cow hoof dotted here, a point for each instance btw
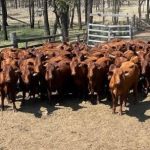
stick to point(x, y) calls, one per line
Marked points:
point(120, 113)
point(9, 101)
point(14, 110)
point(135, 102)
point(2, 109)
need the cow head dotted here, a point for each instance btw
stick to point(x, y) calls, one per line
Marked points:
point(37, 64)
point(7, 73)
point(118, 76)
point(49, 70)
point(92, 66)
point(73, 66)
point(145, 63)
point(25, 74)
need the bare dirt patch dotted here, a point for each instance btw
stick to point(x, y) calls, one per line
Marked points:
point(75, 126)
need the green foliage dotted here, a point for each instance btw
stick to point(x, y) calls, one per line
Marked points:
point(62, 5)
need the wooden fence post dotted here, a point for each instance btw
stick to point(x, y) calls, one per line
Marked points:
point(109, 34)
point(128, 20)
point(59, 32)
point(134, 20)
point(13, 38)
point(78, 38)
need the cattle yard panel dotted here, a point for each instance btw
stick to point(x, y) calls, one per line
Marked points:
point(102, 33)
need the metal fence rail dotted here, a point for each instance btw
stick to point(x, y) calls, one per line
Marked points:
point(101, 33)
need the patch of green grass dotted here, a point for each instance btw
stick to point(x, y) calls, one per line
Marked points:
point(26, 32)
point(23, 32)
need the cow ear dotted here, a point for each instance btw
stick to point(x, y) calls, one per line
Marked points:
point(67, 63)
point(112, 68)
point(126, 74)
point(45, 65)
point(30, 63)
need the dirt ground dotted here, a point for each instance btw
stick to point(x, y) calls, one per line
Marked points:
point(75, 125)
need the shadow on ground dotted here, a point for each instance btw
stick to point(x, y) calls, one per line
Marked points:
point(34, 106)
point(139, 110)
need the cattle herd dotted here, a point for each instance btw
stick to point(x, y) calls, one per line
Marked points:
point(108, 70)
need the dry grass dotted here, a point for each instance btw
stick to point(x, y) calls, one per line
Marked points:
point(75, 126)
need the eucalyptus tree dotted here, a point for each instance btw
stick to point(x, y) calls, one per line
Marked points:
point(89, 10)
point(46, 22)
point(86, 7)
point(148, 10)
point(140, 2)
point(79, 13)
point(32, 13)
point(4, 18)
point(61, 10)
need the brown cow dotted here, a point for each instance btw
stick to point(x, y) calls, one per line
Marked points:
point(8, 84)
point(79, 72)
point(123, 79)
point(97, 75)
point(50, 70)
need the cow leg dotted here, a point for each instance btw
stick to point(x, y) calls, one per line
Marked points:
point(98, 96)
point(147, 86)
point(13, 98)
point(86, 91)
point(125, 101)
point(121, 102)
point(92, 97)
point(2, 100)
point(8, 99)
point(135, 94)
point(61, 96)
point(114, 100)
point(23, 99)
point(49, 96)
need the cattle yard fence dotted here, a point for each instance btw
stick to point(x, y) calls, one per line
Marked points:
point(101, 33)
point(107, 29)
point(15, 40)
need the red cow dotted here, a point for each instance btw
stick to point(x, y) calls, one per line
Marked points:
point(122, 80)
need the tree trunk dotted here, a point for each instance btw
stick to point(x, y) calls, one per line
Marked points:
point(64, 23)
point(116, 9)
point(79, 13)
point(16, 4)
point(108, 3)
point(103, 10)
point(86, 6)
point(148, 11)
point(139, 8)
point(19, 3)
point(72, 16)
point(89, 11)
point(4, 18)
point(46, 23)
point(31, 11)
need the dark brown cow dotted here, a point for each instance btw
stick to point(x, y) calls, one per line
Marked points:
point(58, 73)
point(50, 71)
point(97, 75)
point(79, 72)
point(8, 84)
point(145, 69)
